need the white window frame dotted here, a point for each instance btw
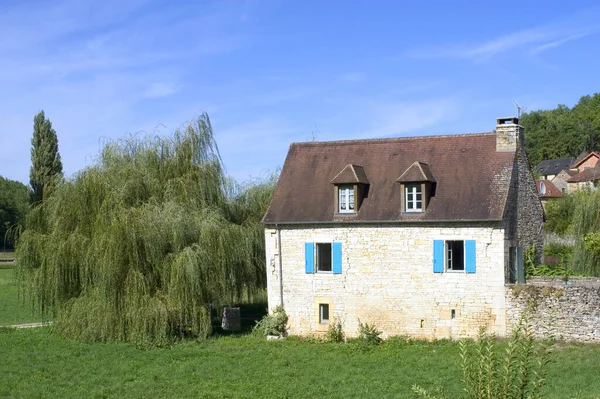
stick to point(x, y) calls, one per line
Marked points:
point(319, 245)
point(411, 201)
point(448, 261)
point(346, 199)
point(322, 319)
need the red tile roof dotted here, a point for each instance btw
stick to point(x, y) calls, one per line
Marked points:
point(472, 179)
point(548, 188)
point(590, 174)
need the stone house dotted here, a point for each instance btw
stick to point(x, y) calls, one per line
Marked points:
point(418, 236)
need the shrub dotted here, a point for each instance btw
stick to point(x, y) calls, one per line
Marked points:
point(369, 334)
point(518, 372)
point(272, 324)
point(335, 333)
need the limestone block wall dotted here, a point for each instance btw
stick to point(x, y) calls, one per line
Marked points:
point(569, 311)
point(387, 280)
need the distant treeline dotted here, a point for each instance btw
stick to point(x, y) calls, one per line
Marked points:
point(563, 132)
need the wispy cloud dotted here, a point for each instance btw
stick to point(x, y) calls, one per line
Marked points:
point(531, 41)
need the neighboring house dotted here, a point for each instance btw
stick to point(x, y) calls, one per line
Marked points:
point(547, 191)
point(549, 168)
point(585, 179)
point(416, 235)
point(587, 162)
point(560, 180)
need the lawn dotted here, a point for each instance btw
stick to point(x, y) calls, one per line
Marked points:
point(12, 308)
point(36, 363)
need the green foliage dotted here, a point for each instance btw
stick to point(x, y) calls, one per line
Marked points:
point(559, 215)
point(13, 207)
point(142, 245)
point(369, 334)
point(335, 332)
point(529, 259)
point(586, 220)
point(46, 166)
point(272, 324)
point(517, 372)
point(563, 132)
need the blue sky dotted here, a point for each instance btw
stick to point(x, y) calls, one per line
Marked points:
point(273, 72)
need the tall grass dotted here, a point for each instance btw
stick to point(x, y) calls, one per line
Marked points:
point(140, 246)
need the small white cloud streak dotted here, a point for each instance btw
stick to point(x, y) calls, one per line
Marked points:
point(528, 41)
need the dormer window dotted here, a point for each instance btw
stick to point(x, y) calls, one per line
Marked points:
point(417, 186)
point(413, 197)
point(346, 198)
point(351, 187)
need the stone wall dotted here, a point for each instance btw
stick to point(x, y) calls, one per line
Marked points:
point(387, 280)
point(570, 311)
point(530, 214)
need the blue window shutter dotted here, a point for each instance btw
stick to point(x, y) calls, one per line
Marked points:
point(438, 256)
point(470, 256)
point(309, 257)
point(336, 249)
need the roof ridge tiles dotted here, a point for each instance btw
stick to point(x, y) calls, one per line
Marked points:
point(388, 139)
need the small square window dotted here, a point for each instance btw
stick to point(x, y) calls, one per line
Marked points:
point(346, 199)
point(323, 313)
point(455, 255)
point(324, 257)
point(413, 198)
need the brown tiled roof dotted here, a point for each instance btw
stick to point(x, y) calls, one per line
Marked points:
point(417, 172)
point(351, 174)
point(550, 190)
point(590, 174)
point(472, 179)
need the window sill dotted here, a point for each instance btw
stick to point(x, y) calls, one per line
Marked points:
point(323, 272)
point(342, 214)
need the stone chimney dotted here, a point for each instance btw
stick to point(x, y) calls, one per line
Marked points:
point(509, 134)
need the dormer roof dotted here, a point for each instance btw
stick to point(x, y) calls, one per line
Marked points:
point(417, 172)
point(351, 174)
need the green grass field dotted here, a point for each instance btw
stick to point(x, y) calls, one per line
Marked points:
point(12, 308)
point(36, 363)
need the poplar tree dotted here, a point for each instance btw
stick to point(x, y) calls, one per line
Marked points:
point(46, 166)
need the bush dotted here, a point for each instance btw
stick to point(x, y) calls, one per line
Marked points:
point(518, 372)
point(272, 324)
point(335, 332)
point(369, 334)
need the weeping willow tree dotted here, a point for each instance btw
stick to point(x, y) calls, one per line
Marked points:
point(139, 247)
point(585, 227)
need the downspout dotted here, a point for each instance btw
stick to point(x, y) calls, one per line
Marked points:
point(280, 265)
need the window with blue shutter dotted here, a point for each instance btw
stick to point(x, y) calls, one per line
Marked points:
point(336, 248)
point(438, 256)
point(309, 257)
point(470, 256)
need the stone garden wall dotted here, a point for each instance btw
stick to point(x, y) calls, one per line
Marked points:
point(568, 310)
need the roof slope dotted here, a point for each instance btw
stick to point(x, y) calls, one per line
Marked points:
point(549, 191)
point(554, 166)
point(591, 174)
point(472, 179)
